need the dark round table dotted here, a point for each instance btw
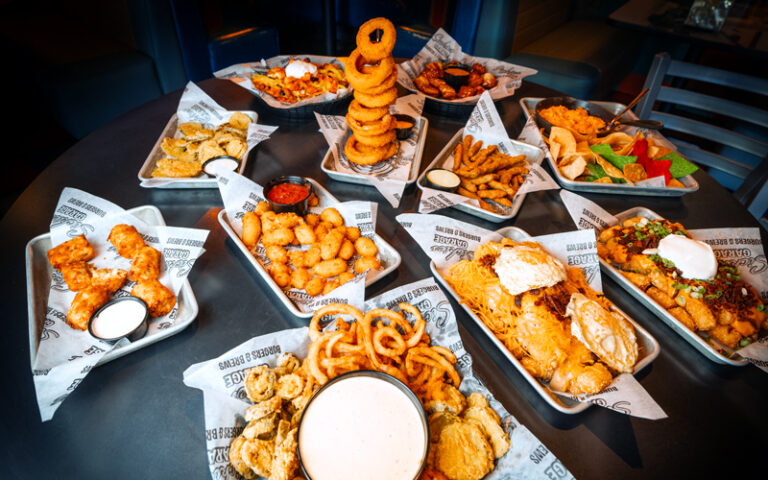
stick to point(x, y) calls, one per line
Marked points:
point(134, 418)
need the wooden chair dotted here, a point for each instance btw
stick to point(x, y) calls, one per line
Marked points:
point(690, 102)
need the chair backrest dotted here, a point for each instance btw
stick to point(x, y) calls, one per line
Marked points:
point(664, 66)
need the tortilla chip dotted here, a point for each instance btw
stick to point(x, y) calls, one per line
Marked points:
point(604, 180)
point(616, 138)
point(609, 168)
point(574, 168)
point(635, 172)
point(564, 138)
point(675, 183)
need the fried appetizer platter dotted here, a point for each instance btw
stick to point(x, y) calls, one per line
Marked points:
point(299, 80)
point(488, 175)
point(94, 285)
point(431, 80)
point(313, 253)
point(684, 277)
point(371, 71)
point(581, 154)
point(465, 433)
point(197, 143)
point(547, 315)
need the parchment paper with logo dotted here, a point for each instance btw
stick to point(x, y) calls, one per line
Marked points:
point(241, 195)
point(66, 355)
point(241, 74)
point(446, 241)
point(225, 401)
point(740, 247)
point(485, 124)
point(392, 183)
point(443, 48)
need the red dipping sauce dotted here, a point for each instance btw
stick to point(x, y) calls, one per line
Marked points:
point(287, 193)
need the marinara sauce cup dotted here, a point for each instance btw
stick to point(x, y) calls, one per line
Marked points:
point(291, 198)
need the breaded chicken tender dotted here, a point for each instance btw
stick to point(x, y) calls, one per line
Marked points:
point(145, 265)
point(126, 240)
point(76, 250)
point(159, 299)
point(85, 303)
point(110, 279)
point(77, 275)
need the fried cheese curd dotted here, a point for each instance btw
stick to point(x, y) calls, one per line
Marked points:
point(577, 119)
point(314, 253)
point(727, 308)
point(554, 328)
point(466, 434)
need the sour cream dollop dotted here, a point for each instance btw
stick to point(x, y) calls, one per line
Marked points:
point(522, 268)
point(298, 68)
point(693, 258)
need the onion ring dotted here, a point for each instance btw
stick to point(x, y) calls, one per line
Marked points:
point(377, 73)
point(386, 85)
point(355, 155)
point(376, 127)
point(365, 114)
point(378, 50)
point(382, 99)
point(380, 140)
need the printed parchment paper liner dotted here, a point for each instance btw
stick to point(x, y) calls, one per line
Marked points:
point(740, 246)
point(225, 401)
point(65, 355)
point(446, 241)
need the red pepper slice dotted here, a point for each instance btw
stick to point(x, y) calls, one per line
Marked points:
point(653, 168)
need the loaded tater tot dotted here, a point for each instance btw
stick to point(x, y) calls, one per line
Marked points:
point(159, 299)
point(85, 303)
point(126, 240)
point(145, 265)
point(76, 250)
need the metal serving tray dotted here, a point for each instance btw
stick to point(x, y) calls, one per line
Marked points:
point(442, 160)
point(388, 256)
point(39, 284)
point(690, 336)
point(156, 154)
point(328, 165)
point(528, 105)
point(648, 346)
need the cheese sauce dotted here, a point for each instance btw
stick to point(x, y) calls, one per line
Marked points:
point(362, 427)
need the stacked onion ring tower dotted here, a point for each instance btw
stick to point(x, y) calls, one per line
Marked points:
point(371, 71)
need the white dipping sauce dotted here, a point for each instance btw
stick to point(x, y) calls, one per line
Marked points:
point(693, 258)
point(362, 427)
point(118, 319)
point(221, 164)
